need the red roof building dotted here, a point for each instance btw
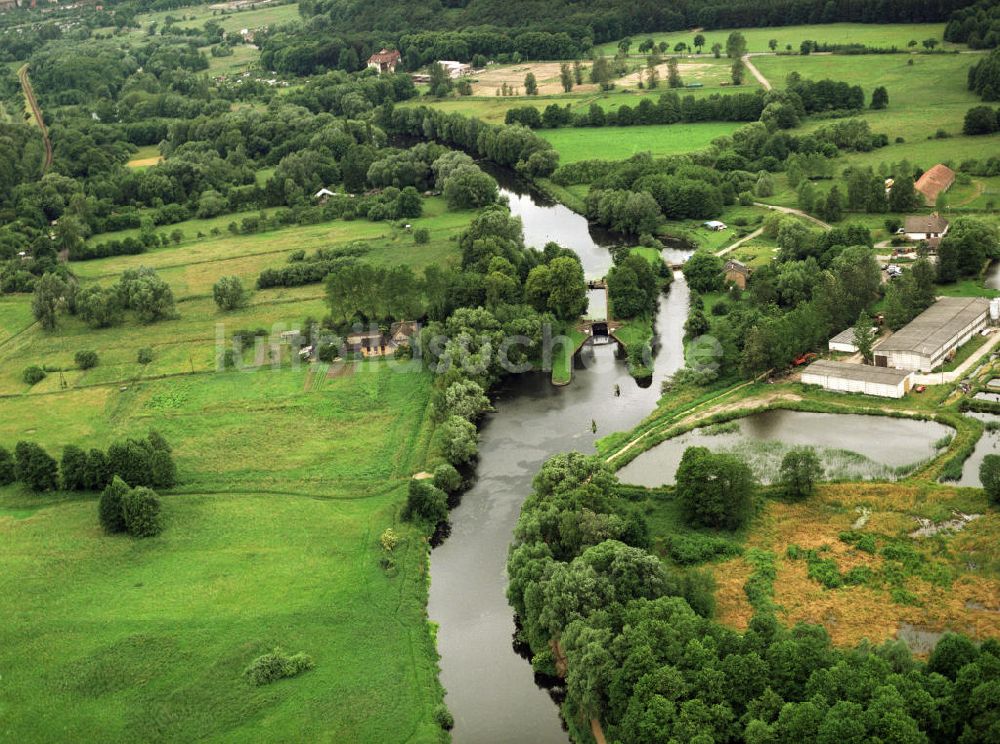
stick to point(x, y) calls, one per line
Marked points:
point(385, 61)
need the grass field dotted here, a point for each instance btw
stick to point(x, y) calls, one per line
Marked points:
point(287, 477)
point(618, 143)
point(833, 33)
point(243, 57)
point(270, 540)
point(926, 96)
point(146, 156)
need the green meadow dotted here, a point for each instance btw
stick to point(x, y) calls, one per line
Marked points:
point(875, 35)
point(618, 143)
point(288, 475)
point(925, 96)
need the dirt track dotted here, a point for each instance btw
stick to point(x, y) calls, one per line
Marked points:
point(29, 94)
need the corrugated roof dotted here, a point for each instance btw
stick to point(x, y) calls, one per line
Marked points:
point(846, 336)
point(936, 326)
point(862, 372)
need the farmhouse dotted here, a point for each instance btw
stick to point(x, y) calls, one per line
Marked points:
point(927, 340)
point(930, 227)
point(935, 181)
point(858, 378)
point(385, 61)
point(736, 273)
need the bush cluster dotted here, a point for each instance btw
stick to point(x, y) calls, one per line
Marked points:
point(276, 665)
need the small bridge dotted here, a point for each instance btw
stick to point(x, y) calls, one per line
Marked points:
point(596, 320)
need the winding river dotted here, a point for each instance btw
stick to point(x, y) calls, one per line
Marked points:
point(490, 689)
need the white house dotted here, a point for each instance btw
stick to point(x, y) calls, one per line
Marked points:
point(930, 227)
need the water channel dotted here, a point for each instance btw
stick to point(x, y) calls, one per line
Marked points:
point(490, 689)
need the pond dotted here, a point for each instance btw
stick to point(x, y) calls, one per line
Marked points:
point(988, 444)
point(852, 446)
point(491, 689)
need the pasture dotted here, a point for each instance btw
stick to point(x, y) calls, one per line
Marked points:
point(874, 35)
point(924, 96)
point(288, 474)
point(618, 143)
point(271, 540)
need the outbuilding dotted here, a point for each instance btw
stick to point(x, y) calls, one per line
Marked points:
point(736, 273)
point(926, 341)
point(844, 342)
point(858, 378)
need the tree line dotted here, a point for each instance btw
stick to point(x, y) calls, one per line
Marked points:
point(645, 658)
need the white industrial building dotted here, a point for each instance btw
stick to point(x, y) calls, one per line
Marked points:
point(926, 341)
point(857, 378)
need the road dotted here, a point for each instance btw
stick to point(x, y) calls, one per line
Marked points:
point(756, 73)
point(733, 246)
point(36, 111)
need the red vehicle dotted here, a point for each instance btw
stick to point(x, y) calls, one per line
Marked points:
point(919, 388)
point(804, 359)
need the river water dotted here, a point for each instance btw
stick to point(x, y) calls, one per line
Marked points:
point(490, 689)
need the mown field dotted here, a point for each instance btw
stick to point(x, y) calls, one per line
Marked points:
point(287, 477)
point(618, 143)
point(898, 34)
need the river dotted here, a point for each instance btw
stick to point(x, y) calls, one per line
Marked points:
point(490, 689)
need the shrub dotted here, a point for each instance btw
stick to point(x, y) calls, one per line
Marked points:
point(989, 476)
point(389, 539)
point(443, 717)
point(145, 355)
point(421, 236)
point(85, 359)
point(692, 549)
point(98, 473)
point(228, 293)
point(276, 665)
point(33, 375)
point(34, 467)
point(447, 478)
point(951, 654)
point(109, 506)
point(800, 469)
point(7, 470)
point(74, 468)
point(141, 512)
point(426, 503)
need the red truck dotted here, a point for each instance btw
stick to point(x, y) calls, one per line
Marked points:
point(804, 359)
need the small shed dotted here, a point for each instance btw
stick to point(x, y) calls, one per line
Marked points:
point(323, 195)
point(858, 378)
point(843, 342)
point(714, 225)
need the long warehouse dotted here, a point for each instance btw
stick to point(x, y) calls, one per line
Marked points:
point(845, 377)
point(926, 341)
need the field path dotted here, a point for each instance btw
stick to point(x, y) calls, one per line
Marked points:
point(799, 212)
point(29, 94)
point(756, 73)
point(733, 246)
